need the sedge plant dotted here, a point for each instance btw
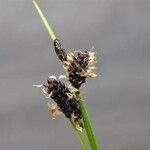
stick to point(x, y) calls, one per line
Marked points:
point(67, 100)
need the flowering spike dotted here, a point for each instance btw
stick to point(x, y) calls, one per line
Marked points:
point(64, 99)
point(79, 66)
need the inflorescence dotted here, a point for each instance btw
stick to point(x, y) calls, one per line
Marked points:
point(63, 100)
point(78, 65)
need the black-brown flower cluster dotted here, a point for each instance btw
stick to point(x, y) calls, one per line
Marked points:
point(78, 65)
point(65, 100)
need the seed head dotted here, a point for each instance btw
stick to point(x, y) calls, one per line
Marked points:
point(64, 99)
point(79, 66)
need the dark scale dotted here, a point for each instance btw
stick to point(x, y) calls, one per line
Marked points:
point(75, 79)
point(82, 59)
point(69, 106)
point(79, 63)
point(60, 51)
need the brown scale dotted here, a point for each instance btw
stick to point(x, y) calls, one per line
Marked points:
point(60, 51)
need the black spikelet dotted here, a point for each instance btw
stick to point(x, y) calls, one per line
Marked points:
point(78, 65)
point(75, 79)
point(65, 100)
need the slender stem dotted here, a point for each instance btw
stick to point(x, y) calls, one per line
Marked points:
point(44, 20)
point(87, 123)
point(78, 135)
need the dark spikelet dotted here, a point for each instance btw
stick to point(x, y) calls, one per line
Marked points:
point(65, 100)
point(78, 65)
point(80, 68)
point(75, 79)
point(60, 51)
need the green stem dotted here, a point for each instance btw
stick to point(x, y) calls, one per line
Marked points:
point(87, 123)
point(78, 135)
point(44, 20)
